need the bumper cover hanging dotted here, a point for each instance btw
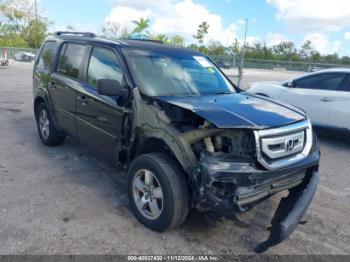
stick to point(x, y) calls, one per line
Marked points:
point(290, 211)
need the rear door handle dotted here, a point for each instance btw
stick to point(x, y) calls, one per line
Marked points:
point(326, 99)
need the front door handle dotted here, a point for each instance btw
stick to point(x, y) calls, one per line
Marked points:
point(326, 99)
point(102, 119)
point(83, 100)
point(52, 85)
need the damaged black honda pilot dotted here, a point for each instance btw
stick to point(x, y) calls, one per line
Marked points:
point(188, 137)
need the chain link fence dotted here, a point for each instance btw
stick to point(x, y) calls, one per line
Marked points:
point(227, 61)
point(11, 51)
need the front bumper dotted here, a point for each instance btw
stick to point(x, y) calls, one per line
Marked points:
point(290, 211)
point(230, 184)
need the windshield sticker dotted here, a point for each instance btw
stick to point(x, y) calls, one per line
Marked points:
point(202, 61)
point(211, 70)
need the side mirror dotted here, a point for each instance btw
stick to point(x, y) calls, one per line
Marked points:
point(291, 84)
point(110, 87)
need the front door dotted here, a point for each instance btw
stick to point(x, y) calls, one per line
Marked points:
point(99, 117)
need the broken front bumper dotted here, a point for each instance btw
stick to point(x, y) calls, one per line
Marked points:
point(232, 184)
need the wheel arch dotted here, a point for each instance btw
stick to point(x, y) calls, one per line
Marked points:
point(152, 144)
point(43, 99)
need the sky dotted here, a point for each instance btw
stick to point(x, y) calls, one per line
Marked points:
point(326, 23)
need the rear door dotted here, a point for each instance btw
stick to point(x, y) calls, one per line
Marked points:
point(340, 106)
point(314, 95)
point(65, 83)
point(99, 117)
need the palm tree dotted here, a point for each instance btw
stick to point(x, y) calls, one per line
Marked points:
point(141, 25)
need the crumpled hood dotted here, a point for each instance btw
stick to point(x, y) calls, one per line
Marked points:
point(238, 110)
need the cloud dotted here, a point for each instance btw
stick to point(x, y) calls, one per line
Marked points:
point(251, 40)
point(313, 15)
point(275, 39)
point(322, 44)
point(172, 17)
point(124, 16)
point(347, 35)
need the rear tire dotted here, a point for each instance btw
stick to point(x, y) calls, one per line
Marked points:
point(168, 195)
point(48, 133)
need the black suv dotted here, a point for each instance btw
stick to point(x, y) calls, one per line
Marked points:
point(187, 136)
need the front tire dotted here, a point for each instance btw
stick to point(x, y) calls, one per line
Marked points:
point(49, 135)
point(158, 191)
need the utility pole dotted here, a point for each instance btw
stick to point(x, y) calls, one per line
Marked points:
point(36, 24)
point(240, 69)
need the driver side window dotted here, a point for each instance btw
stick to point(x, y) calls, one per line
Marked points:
point(328, 81)
point(103, 64)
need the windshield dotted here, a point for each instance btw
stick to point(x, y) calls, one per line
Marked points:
point(176, 74)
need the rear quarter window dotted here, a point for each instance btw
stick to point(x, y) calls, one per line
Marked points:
point(70, 59)
point(47, 56)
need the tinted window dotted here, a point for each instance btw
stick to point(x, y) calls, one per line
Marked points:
point(47, 56)
point(329, 81)
point(103, 65)
point(345, 86)
point(70, 59)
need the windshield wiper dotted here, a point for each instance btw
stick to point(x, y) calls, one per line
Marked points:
point(223, 93)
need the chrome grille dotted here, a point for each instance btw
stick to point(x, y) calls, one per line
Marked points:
point(283, 146)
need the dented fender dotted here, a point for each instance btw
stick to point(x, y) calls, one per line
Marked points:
point(152, 122)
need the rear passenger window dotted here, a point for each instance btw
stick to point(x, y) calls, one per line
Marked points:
point(327, 81)
point(103, 65)
point(70, 59)
point(345, 86)
point(47, 56)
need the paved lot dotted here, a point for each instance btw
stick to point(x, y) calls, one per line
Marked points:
point(65, 200)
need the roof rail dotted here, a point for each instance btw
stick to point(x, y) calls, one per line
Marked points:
point(144, 40)
point(84, 34)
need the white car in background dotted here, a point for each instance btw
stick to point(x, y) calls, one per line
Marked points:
point(324, 95)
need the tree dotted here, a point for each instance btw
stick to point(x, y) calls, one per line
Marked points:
point(125, 33)
point(110, 30)
point(141, 25)
point(161, 37)
point(315, 56)
point(259, 51)
point(286, 51)
point(202, 31)
point(306, 50)
point(36, 33)
point(20, 26)
point(177, 40)
point(345, 60)
point(235, 47)
point(330, 59)
point(216, 48)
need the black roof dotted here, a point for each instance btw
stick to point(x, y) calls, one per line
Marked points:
point(124, 43)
